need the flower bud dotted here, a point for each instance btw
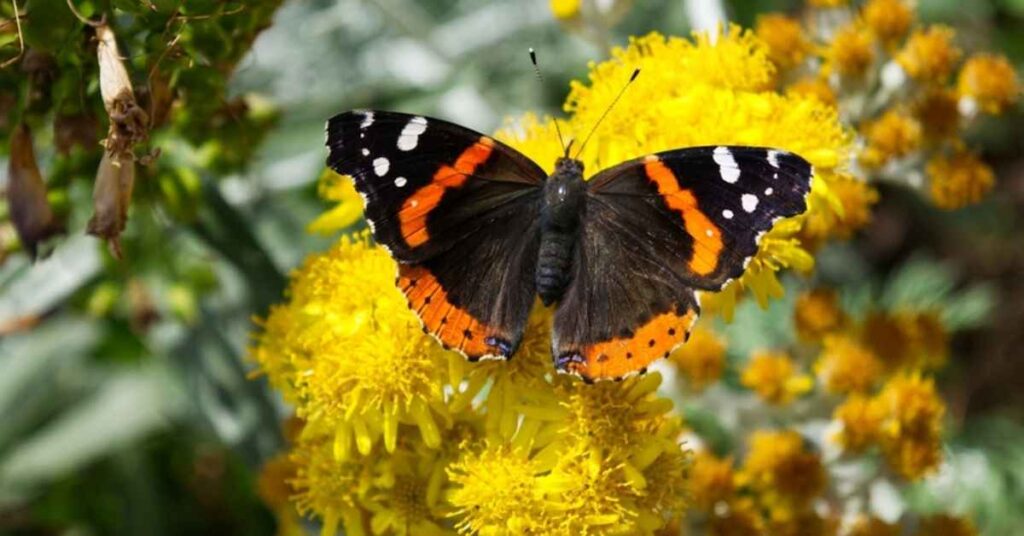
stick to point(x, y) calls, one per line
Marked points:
point(111, 196)
point(30, 211)
point(128, 121)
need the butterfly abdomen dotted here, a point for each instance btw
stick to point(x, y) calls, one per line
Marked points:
point(560, 221)
point(554, 264)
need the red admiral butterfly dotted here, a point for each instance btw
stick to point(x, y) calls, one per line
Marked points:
point(479, 229)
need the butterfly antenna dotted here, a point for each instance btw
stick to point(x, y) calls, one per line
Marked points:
point(636, 72)
point(540, 78)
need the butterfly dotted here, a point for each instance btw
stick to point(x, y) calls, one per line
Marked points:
point(479, 231)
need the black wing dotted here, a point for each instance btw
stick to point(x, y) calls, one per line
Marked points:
point(458, 210)
point(654, 230)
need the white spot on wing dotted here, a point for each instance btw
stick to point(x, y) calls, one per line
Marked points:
point(410, 135)
point(367, 120)
point(773, 159)
point(400, 181)
point(366, 152)
point(749, 202)
point(769, 191)
point(727, 214)
point(726, 164)
point(381, 166)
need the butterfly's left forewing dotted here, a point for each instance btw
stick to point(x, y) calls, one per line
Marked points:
point(459, 211)
point(655, 230)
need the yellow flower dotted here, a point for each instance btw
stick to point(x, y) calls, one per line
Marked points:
point(274, 352)
point(813, 86)
point(845, 366)
point(347, 211)
point(496, 492)
point(856, 197)
point(872, 526)
point(701, 359)
point(958, 180)
point(399, 504)
point(913, 423)
point(329, 488)
point(591, 496)
point(780, 248)
point(893, 135)
point(860, 420)
point(817, 313)
point(938, 113)
point(520, 397)
point(929, 55)
point(359, 362)
point(888, 19)
point(851, 51)
point(784, 36)
point(565, 9)
point(946, 525)
point(621, 419)
point(783, 470)
point(711, 481)
point(774, 377)
point(990, 81)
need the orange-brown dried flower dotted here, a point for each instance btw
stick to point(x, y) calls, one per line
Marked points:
point(929, 55)
point(991, 81)
point(889, 20)
point(787, 46)
point(958, 180)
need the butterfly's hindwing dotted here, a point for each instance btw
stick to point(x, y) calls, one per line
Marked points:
point(625, 306)
point(457, 209)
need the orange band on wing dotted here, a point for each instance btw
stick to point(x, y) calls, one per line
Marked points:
point(413, 215)
point(707, 237)
point(455, 327)
point(621, 356)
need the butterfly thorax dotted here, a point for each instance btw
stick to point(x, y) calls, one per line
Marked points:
point(560, 219)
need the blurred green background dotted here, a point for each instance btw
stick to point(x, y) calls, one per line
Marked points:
point(125, 406)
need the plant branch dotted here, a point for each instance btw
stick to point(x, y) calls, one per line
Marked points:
point(21, 37)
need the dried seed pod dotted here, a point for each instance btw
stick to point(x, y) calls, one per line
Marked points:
point(30, 211)
point(128, 121)
point(111, 197)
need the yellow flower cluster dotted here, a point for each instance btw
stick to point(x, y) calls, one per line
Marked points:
point(773, 491)
point(869, 375)
point(903, 87)
point(878, 365)
point(401, 436)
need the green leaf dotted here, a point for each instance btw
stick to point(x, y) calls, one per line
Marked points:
point(127, 407)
